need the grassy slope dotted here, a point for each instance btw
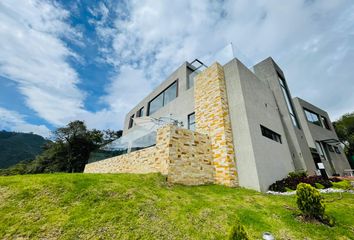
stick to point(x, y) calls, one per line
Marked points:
point(93, 206)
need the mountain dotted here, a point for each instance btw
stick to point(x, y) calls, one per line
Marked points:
point(16, 147)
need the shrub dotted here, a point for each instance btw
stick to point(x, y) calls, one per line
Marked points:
point(342, 185)
point(238, 232)
point(294, 179)
point(309, 201)
point(319, 186)
point(297, 174)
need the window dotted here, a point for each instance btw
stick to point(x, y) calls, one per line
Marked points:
point(131, 121)
point(191, 121)
point(163, 98)
point(320, 150)
point(312, 117)
point(330, 148)
point(270, 134)
point(336, 149)
point(288, 101)
point(325, 122)
point(140, 113)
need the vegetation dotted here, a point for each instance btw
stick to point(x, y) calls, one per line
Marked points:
point(345, 131)
point(69, 152)
point(238, 232)
point(128, 206)
point(293, 179)
point(16, 147)
point(309, 201)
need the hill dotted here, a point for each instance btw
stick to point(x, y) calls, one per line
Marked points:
point(16, 147)
point(127, 206)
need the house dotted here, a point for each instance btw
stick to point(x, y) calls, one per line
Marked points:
point(226, 124)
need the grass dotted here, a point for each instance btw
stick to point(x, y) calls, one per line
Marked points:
point(127, 206)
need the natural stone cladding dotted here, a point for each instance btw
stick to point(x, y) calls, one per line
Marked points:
point(183, 155)
point(212, 118)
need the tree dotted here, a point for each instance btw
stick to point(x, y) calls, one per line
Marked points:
point(70, 150)
point(345, 131)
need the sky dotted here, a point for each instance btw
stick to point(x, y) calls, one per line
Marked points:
point(94, 60)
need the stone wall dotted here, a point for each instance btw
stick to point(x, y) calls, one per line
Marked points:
point(183, 155)
point(142, 161)
point(212, 118)
point(190, 161)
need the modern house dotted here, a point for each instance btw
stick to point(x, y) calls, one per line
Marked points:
point(231, 125)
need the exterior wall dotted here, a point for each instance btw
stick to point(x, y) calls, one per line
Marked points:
point(267, 71)
point(212, 118)
point(183, 155)
point(336, 162)
point(178, 109)
point(142, 161)
point(261, 161)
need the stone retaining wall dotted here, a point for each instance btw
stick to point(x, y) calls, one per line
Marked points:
point(183, 155)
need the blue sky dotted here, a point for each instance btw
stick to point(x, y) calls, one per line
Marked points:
point(94, 60)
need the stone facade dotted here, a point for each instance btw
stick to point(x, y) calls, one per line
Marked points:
point(212, 118)
point(183, 155)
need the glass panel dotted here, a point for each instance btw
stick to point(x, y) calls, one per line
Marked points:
point(131, 121)
point(156, 104)
point(325, 122)
point(170, 93)
point(270, 134)
point(191, 121)
point(140, 112)
point(312, 117)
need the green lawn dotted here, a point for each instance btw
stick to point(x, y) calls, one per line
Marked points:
point(127, 206)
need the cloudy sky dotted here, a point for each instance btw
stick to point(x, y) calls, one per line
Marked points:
point(94, 60)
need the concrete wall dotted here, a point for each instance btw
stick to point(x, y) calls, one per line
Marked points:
point(260, 160)
point(336, 162)
point(183, 155)
point(178, 109)
point(267, 71)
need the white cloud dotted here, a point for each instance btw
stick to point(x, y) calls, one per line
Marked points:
point(311, 41)
point(14, 121)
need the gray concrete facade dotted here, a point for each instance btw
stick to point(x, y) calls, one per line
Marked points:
point(334, 159)
point(272, 136)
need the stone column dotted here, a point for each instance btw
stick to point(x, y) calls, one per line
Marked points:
point(212, 118)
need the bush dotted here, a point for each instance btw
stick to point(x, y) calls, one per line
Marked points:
point(342, 185)
point(294, 179)
point(319, 186)
point(309, 201)
point(238, 232)
point(297, 174)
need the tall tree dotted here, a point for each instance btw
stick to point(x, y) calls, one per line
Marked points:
point(345, 130)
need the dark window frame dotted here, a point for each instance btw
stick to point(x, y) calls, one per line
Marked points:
point(313, 113)
point(148, 113)
point(288, 100)
point(189, 121)
point(325, 122)
point(131, 121)
point(140, 112)
point(266, 132)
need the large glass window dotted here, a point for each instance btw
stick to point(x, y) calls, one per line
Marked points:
point(288, 101)
point(312, 117)
point(191, 121)
point(270, 134)
point(163, 98)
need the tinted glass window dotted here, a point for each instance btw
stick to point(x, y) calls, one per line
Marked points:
point(131, 121)
point(270, 134)
point(288, 102)
point(156, 104)
point(170, 93)
point(325, 122)
point(191, 121)
point(312, 117)
point(140, 113)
